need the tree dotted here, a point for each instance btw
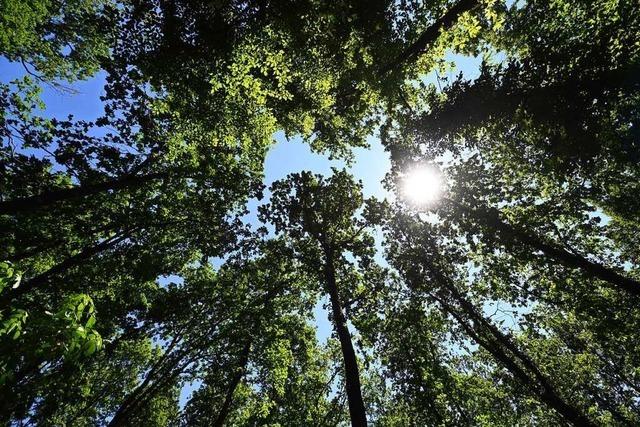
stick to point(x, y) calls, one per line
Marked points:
point(319, 216)
point(128, 272)
point(422, 262)
point(537, 217)
point(60, 40)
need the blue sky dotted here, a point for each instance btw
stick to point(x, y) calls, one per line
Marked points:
point(286, 156)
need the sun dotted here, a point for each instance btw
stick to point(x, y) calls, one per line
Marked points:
point(422, 185)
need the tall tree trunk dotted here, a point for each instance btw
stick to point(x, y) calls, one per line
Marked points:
point(430, 35)
point(228, 400)
point(68, 263)
point(510, 233)
point(46, 245)
point(126, 413)
point(357, 410)
point(173, 363)
point(502, 347)
point(242, 366)
point(33, 203)
point(33, 251)
point(163, 368)
point(545, 394)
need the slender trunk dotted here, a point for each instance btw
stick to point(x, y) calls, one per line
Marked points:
point(33, 203)
point(546, 395)
point(516, 361)
point(172, 364)
point(430, 35)
point(510, 232)
point(123, 418)
point(357, 410)
point(108, 350)
point(228, 400)
point(68, 263)
point(242, 367)
point(572, 260)
point(166, 369)
point(36, 250)
point(52, 244)
point(163, 368)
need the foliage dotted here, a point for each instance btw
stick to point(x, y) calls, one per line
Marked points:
point(59, 39)
point(136, 289)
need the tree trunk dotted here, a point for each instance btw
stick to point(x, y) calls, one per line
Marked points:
point(510, 232)
point(430, 35)
point(33, 203)
point(133, 400)
point(357, 410)
point(505, 350)
point(242, 367)
point(546, 395)
point(228, 400)
point(46, 245)
point(68, 263)
point(572, 260)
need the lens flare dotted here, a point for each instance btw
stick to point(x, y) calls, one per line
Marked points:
point(422, 185)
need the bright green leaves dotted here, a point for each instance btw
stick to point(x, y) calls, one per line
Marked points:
point(258, 72)
point(47, 338)
point(247, 89)
point(61, 40)
point(9, 277)
point(69, 332)
point(14, 324)
point(77, 319)
point(463, 35)
point(278, 360)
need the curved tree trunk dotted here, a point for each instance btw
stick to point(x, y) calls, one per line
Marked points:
point(545, 394)
point(160, 374)
point(430, 35)
point(228, 400)
point(68, 263)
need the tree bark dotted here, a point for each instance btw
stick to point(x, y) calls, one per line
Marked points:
point(173, 363)
point(158, 370)
point(46, 245)
point(68, 263)
point(509, 233)
point(430, 35)
point(228, 400)
point(33, 203)
point(357, 410)
point(504, 349)
point(242, 367)
point(546, 395)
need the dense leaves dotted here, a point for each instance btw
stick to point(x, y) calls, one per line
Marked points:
point(138, 288)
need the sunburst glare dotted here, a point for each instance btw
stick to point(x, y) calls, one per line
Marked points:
point(422, 185)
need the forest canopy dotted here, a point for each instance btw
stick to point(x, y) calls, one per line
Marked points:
point(150, 275)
